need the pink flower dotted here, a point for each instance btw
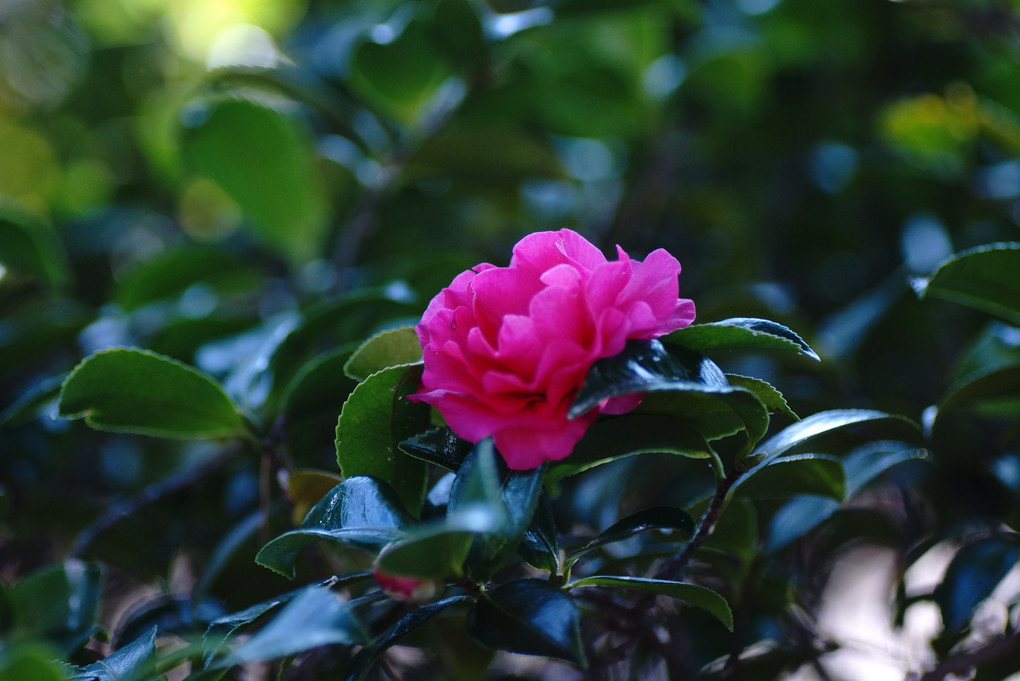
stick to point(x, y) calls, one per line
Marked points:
point(406, 588)
point(507, 348)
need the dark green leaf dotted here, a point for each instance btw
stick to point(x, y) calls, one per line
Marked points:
point(765, 393)
point(438, 549)
point(645, 365)
point(171, 273)
point(266, 163)
point(360, 511)
point(133, 662)
point(993, 394)
point(374, 420)
point(986, 278)
point(790, 476)
point(510, 495)
point(971, 577)
point(33, 330)
point(658, 518)
point(739, 333)
point(370, 654)
point(31, 661)
point(698, 596)
point(800, 515)
point(28, 403)
point(609, 439)
point(396, 347)
point(310, 404)
point(316, 617)
point(485, 155)
point(135, 391)
point(529, 616)
point(60, 602)
point(736, 531)
point(30, 247)
point(459, 32)
point(815, 425)
point(538, 545)
point(439, 446)
point(400, 76)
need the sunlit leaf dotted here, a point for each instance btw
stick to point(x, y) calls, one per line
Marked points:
point(135, 391)
point(986, 278)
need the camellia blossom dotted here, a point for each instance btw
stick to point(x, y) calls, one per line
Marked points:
point(506, 349)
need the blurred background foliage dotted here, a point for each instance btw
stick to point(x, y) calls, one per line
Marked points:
point(204, 177)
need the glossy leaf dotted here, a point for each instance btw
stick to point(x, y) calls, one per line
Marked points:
point(60, 602)
point(688, 386)
point(698, 596)
point(986, 278)
point(972, 576)
point(609, 439)
point(266, 163)
point(642, 366)
point(314, 618)
point(395, 347)
point(512, 495)
point(528, 616)
point(816, 425)
point(739, 333)
point(790, 476)
point(134, 391)
point(678, 522)
point(765, 393)
point(801, 515)
point(374, 420)
point(438, 549)
point(439, 446)
point(360, 511)
point(539, 547)
point(134, 662)
point(366, 658)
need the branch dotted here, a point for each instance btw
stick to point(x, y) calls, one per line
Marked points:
point(999, 650)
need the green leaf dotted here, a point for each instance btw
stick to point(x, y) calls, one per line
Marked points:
point(736, 531)
point(765, 393)
point(816, 425)
point(401, 76)
point(802, 514)
point(688, 386)
point(439, 446)
point(133, 662)
point(374, 420)
point(266, 162)
point(642, 366)
point(29, 402)
point(995, 394)
point(60, 602)
point(658, 518)
point(609, 439)
point(972, 576)
point(396, 347)
point(171, 273)
point(790, 476)
point(528, 616)
point(538, 546)
point(510, 495)
point(698, 596)
point(31, 661)
point(438, 549)
point(485, 156)
point(360, 511)
point(366, 658)
point(310, 403)
point(739, 333)
point(135, 391)
point(31, 247)
point(986, 278)
point(459, 32)
point(316, 617)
